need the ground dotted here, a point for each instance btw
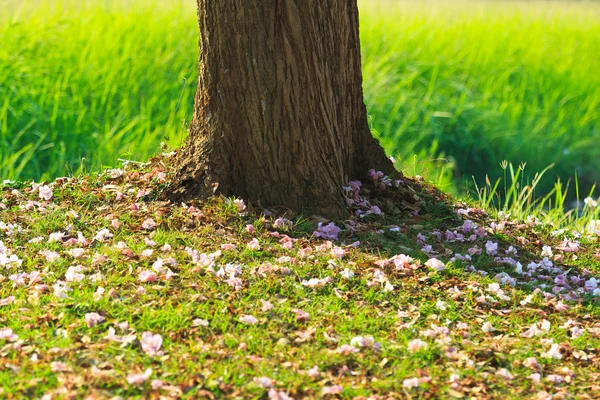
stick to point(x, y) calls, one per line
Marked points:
point(107, 292)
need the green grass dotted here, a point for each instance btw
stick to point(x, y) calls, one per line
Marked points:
point(83, 83)
point(57, 353)
point(483, 82)
point(92, 80)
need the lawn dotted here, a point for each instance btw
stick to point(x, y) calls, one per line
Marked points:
point(106, 291)
point(453, 88)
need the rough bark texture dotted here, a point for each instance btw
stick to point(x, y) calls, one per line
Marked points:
point(279, 115)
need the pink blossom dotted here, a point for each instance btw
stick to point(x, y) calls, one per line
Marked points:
point(235, 282)
point(266, 305)
point(275, 395)
point(285, 259)
point(487, 327)
point(200, 322)
point(156, 384)
point(531, 363)
point(248, 319)
point(411, 383)
point(463, 326)
point(167, 247)
point(591, 284)
point(115, 173)
point(491, 248)
point(324, 247)
point(264, 382)
point(240, 205)
point(147, 253)
point(315, 282)
point(335, 389)
point(76, 253)
point(282, 223)
point(594, 227)
point(148, 276)
point(473, 251)
point(138, 379)
point(99, 293)
point(556, 379)
point(329, 231)
point(435, 264)
point(60, 290)
point(576, 332)
point(568, 246)
point(149, 224)
point(304, 252)
point(503, 373)
point(151, 344)
point(301, 315)
point(18, 279)
point(93, 319)
point(416, 345)
point(347, 274)
point(50, 256)
point(8, 335)
point(58, 366)
point(7, 300)
point(401, 261)
point(254, 244)
point(346, 349)
point(288, 245)
point(547, 251)
point(45, 192)
point(590, 202)
point(365, 341)
point(102, 235)
point(56, 237)
point(545, 325)
point(337, 252)
point(553, 353)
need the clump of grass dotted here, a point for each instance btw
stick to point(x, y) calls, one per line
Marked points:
point(515, 196)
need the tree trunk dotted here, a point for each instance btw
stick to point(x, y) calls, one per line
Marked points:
point(279, 117)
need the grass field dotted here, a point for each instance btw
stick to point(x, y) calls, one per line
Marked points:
point(109, 292)
point(474, 82)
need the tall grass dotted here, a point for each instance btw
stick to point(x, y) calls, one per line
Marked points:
point(92, 79)
point(484, 82)
point(459, 86)
point(517, 198)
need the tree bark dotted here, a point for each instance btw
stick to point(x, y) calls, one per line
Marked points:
point(279, 115)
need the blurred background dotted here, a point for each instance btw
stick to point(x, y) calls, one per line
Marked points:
point(453, 88)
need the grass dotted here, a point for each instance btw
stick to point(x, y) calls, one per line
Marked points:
point(450, 333)
point(484, 82)
point(453, 88)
